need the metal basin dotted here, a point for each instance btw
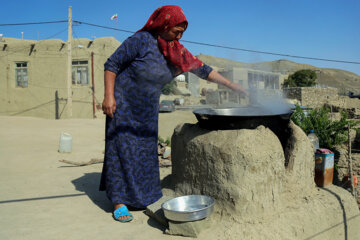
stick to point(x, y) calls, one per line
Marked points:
point(188, 208)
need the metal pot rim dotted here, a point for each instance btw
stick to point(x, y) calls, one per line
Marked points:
point(163, 206)
point(240, 112)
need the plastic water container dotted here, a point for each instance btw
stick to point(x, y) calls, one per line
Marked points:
point(314, 140)
point(65, 145)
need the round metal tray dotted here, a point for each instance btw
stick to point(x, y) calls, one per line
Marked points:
point(188, 208)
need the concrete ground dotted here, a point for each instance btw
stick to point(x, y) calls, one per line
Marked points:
point(42, 198)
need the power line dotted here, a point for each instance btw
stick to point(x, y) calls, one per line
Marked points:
point(270, 53)
point(95, 25)
point(56, 34)
point(232, 48)
point(31, 23)
point(193, 42)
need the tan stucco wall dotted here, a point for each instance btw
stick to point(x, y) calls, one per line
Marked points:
point(47, 73)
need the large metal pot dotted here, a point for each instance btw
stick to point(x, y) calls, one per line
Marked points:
point(241, 117)
point(250, 117)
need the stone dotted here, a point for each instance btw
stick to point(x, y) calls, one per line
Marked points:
point(164, 163)
point(183, 91)
point(161, 148)
point(155, 211)
point(189, 229)
point(167, 153)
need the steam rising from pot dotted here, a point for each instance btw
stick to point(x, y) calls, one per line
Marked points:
point(271, 100)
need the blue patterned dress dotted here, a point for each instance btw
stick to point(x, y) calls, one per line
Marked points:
point(130, 172)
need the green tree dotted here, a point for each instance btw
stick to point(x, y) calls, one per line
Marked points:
point(301, 78)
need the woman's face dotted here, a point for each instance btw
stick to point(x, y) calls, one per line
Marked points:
point(175, 33)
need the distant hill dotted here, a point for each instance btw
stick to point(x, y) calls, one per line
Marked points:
point(343, 80)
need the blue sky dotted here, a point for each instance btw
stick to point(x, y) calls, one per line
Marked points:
point(327, 29)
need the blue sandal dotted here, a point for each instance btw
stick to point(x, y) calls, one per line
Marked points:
point(121, 212)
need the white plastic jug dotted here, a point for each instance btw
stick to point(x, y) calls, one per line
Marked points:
point(65, 145)
point(314, 140)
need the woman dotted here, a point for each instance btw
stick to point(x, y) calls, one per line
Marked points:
point(134, 77)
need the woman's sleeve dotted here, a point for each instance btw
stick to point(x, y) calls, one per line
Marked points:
point(127, 52)
point(202, 72)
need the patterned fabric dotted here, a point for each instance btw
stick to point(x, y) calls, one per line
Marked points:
point(162, 20)
point(131, 168)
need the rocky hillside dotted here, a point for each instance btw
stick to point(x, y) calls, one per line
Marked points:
point(343, 80)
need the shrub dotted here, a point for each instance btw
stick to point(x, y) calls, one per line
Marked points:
point(160, 139)
point(167, 141)
point(330, 133)
point(168, 88)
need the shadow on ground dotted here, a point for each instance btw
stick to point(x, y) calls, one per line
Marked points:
point(89, 184)
point(155, 224)
point(166, 183)
point(344, 215)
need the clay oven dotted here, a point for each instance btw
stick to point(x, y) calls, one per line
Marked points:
point(247, 171)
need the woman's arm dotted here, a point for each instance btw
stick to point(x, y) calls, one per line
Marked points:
point(109, 103)
point(215, 77)
point(206, 72)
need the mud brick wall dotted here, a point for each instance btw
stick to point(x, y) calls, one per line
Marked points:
point(312, 97)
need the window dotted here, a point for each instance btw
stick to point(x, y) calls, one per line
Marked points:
point(272, 82)
point(21, 74)
point(80, 73)
point(251, 80)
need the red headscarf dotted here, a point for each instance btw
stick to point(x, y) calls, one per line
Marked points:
point(163, 19)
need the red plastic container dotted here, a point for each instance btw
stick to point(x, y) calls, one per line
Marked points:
point(324, 167)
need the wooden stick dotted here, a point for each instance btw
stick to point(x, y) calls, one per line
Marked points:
point(97, 160)
point(350, 163)
point(79, 164)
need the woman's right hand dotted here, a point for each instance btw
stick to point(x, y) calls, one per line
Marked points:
point(109, 106)
point(238, 88)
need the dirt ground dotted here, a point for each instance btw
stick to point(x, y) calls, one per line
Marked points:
point(42, 198)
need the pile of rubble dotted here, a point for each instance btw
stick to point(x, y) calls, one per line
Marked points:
point(164, 153)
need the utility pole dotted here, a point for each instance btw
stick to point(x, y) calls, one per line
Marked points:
point(93, 83)
point(57, 105)
point(69, 65)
